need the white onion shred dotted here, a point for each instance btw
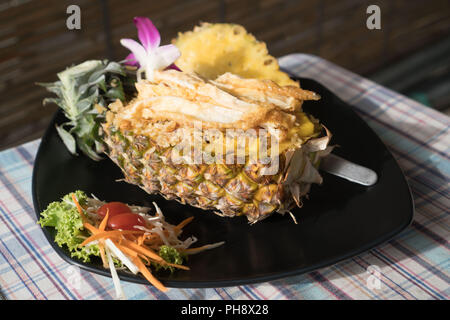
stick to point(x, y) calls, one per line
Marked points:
point(119, 290)
point(206, 247)
point(121, 256)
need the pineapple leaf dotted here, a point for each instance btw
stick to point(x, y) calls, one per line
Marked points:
point(115, 67)
point(68, 140)
point(87, 150)
point(56, 101)
point(115, 93)
point(78, 90)
point(54, 87)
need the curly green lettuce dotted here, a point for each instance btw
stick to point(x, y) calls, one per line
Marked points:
point(65, 218)
point(171, 255)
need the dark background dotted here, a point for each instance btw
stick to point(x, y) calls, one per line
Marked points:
point(410, 54)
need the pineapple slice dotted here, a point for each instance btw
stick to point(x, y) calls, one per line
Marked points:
point(211, 50)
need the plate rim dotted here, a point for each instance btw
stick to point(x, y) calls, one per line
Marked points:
point(276, 275)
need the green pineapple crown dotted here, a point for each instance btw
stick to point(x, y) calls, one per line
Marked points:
point(83, 92)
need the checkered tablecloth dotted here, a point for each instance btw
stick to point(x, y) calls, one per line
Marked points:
point(414, 265)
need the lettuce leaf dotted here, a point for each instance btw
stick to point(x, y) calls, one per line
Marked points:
point(65, 218)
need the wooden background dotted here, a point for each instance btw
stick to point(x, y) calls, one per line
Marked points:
point(35, 43)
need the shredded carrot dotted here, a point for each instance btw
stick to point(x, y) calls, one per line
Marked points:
point(101, 243)
point(138, 245)
point(80, 210)
point(140, 240)
point(146, 259)
point(101, 247)
point(104, 221)
point(133, 253)
point(153, 239)
point(107, 234)
point(126, 250)
point(90, 227)
point(179, 266)
point(130, 237)
point(151, 236)
point(141, 249)
point(183, 223)
point(148, 275)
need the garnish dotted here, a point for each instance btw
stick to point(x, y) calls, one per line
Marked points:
point(67, 221)
point(149, 55)
point(83, 93)
point(85, 231)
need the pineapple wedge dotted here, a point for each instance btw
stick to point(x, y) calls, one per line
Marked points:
point(211, 50)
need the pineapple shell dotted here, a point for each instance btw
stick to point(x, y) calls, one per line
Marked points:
point(228, 190)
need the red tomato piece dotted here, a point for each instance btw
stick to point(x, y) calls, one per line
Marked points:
point(114, 208)
point(126, 221)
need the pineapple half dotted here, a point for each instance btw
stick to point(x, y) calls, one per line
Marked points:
point(182, 137)
point(193, 135)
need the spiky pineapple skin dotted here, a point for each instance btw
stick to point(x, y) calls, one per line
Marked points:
point(228, 190)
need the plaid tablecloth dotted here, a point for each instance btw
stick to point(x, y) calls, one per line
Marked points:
point(414, 265)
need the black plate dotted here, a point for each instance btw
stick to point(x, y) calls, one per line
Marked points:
point(340, 220)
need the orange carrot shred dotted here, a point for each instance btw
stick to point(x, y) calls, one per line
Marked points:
point(104, 221)
point(90, 227)
point(141, 249)
point(107, 234)
point(140, 240)
point(179, 266)
point(130, 237)
point(101, 246)
point(148, 275)
point(140, 246)
point(80, 210)
point(126, 250)
point(183, 223)
point(146, 259)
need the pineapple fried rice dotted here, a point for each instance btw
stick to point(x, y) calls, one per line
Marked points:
point(145, 135)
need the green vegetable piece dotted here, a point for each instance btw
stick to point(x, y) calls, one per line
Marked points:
point(65, 218)
point(171, 255)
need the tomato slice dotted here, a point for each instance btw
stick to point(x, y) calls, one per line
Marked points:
point(126, 221)
point(114, 208)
